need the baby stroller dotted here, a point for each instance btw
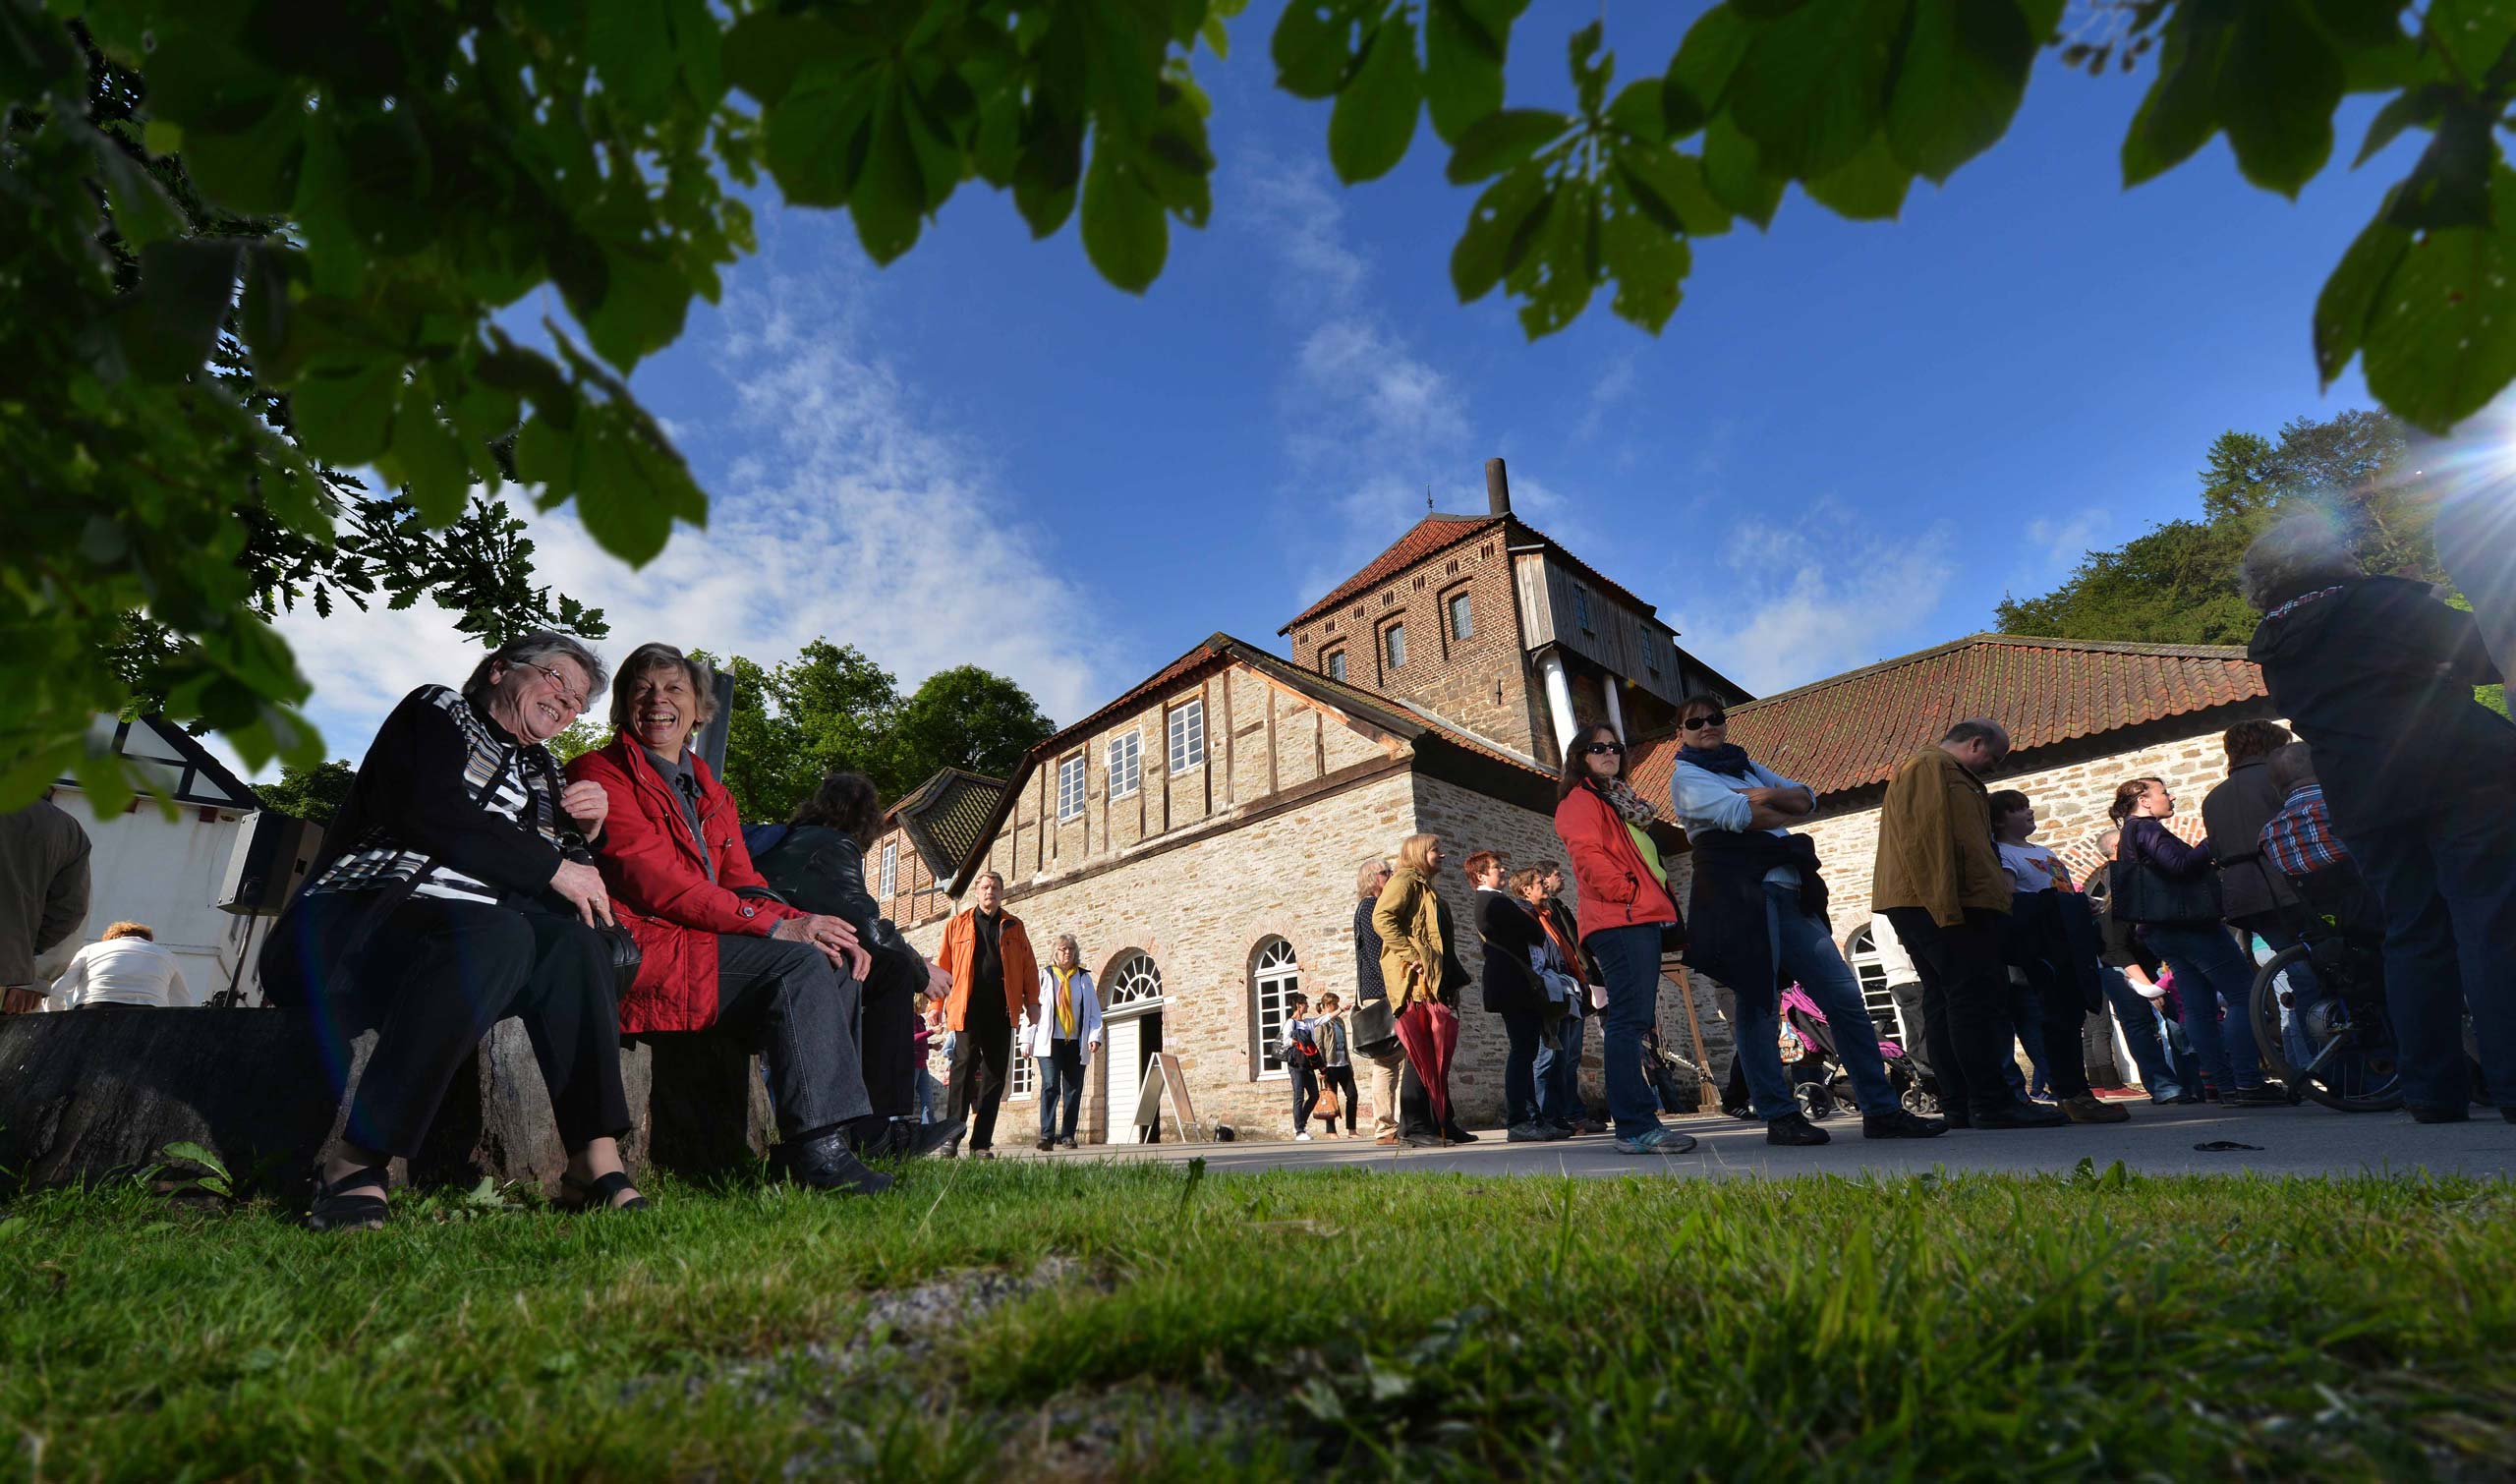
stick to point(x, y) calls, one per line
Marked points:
point(1816, 1071)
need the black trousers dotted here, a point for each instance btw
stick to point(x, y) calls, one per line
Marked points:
point(886, 1046)
point(2065, 1021)
point(431, 980)
point(1414, 1105)
point(982, 1064)
point(1341, 1081)
point(1965, 987)
point(798, 1010)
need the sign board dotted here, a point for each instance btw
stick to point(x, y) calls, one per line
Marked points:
point(1165, 1077)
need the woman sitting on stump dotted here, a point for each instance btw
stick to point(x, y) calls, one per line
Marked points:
point(717, 947)
point(447, 899)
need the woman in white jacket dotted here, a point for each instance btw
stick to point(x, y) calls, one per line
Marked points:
point(127, 966)
point(1064, 1039)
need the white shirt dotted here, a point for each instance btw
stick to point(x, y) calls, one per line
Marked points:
point(123, 971)
point(1038, 1039)
point(1706, 800)
point(1893, 960)
point(2031, 868)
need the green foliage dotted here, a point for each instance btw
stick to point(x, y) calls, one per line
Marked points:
point(313, 794)
point(269, 236)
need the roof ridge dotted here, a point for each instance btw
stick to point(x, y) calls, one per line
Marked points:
point(1362, 577)
point(2019, 641)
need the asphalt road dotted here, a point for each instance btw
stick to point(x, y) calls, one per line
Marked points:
point(2305, 1140)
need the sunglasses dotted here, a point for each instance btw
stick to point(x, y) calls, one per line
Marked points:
point(1598, 748)
point(1698, 723)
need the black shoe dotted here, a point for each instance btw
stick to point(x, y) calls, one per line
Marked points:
point(1958, 1118)
point(2023, 1116)
point(343, 1205)
point(2443, 1115)
point(826, 1163)
point(1793, 1128)
point(1421, 1141)
point(2181, 1099)
point(1458, 1135)
point(1900, 1124)
point(2265, 1096)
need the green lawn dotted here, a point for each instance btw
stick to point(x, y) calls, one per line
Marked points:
point(1282, 1324)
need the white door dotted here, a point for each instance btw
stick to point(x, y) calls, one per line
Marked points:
point(1124, 1076)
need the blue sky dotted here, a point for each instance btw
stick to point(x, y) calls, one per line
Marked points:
point(1849, 442)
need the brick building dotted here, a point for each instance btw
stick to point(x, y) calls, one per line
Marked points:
point(1199, 833)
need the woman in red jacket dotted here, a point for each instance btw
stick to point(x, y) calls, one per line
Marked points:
point(1625, 904)
point(716, 945)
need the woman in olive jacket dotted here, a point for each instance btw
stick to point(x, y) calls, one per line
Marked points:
point(1421, 967)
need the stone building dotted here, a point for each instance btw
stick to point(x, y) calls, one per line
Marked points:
point(1199, 834)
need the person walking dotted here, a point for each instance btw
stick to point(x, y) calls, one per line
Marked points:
point(1336, 1064)
point(127, 966)
point(2210, 969)
point(1757, 918)
point(1625, 914)
point(1558, 1063)
point(1420, 965)
point(1065, 1035)
point(2377, 674)
point(43, 895)
point(1390, 1061)
point(1939, 880)
point(1299, 1052)
point(996, 982)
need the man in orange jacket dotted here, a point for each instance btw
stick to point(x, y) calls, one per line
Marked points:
point(996, 982)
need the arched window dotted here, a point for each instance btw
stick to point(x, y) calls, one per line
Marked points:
point(1860, 951)
point(1133, 979)
point(1274, 976)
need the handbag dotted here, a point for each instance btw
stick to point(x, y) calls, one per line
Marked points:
point(1375, 1029)
point(1326, 1107)
point(2144, 895)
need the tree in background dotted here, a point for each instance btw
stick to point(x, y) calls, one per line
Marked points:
point(391, 178)
point(313, 794)
point(966, 717)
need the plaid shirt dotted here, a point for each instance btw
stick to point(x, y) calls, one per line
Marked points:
point(2300, 838)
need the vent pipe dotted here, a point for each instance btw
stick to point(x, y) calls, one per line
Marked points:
point(1497, 489)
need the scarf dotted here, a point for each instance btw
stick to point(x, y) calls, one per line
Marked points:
point(1066, 1002)
point(1729, 758)
point(1625, 801)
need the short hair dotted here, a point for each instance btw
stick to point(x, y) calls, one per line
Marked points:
point(990, 874)
point(128, 929)
point(1330, 997)
point(1978, 730)
point(1527, 878)
point(2298, 554)
point(1412, 850)
point(2291, 767)
point(2126, 797)
point(2104, 837)
point(1067, 940)
point(654, 656)
point(1296, 997)
point(1701, 701)
point(534, 647)
point(1479, 862)
point(2007, 802)
point(846, 802)
point(1544, 867)
point(1367, 876)
point(2248, 740)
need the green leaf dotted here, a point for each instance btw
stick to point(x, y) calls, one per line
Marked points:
point(2181, 111)
point(428, 460)
point(1669, 188)
point(1313, 47)
point(1500, 227)
point(1638, 112)
point(2350, 295)
point(545, 454)
point(1555, 281)
point(1502, 140)
point(2474, 33)
point(1124, 68)
point(1462, 68)
point(1123, 231)
point(2442, 339)
point(1870, 187)
point(142, 214)
point(1648, 267)
point(1591, 72)
point(2418, 106)
point(817, 139)
point(644, 301)
point(2279, 86)
point(1698, 80)
point(1957, 85)
point(630, 46)
point(253, 172)
point(1813, 87)
point(630, 491)
point(766, 53)
point(1735, 175)
point(343, 406)
point(888, 203)
point(1374, 118)
point(184, 290)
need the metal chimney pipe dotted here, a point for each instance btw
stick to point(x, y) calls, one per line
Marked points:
point(1497, 489)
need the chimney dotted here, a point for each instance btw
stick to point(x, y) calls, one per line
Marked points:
point(1497, 489)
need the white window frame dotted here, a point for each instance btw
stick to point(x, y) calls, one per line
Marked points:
point(1127, 765)
point(1869, 970)
point(1071, 788)
point(1024, 1084)
point(1185, 725)
point(1272, 980)
point(1460, 615)
point(1393, 646)
point(890, 876)
point(1134, 979)
point(1336, 667)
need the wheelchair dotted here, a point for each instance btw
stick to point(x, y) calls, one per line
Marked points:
point(2339, 1048)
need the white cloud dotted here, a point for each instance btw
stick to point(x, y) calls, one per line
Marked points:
point(1815, 597)
point(1613, 386)
point(849, 515)
point(2060, 544)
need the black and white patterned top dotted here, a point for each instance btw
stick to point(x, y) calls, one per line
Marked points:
point(448, 801)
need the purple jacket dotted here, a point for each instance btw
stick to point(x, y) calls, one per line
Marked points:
point(2145, 840)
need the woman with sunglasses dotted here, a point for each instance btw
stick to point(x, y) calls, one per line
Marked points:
point(1759, 913)
point(1625, 908)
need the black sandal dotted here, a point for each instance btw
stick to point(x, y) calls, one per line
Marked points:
point(595, 1194)
point(336, 1209)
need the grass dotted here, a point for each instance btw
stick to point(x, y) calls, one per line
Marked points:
point(1273, 1325)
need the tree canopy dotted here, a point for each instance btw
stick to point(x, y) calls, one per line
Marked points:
point(313, 794)
point(386, 181)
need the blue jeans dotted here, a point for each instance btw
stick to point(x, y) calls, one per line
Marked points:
point(1559, 1071)
point(2211, 968)
point(1060, 1088)
point(1525, 1031)
point(2448, 884)
point(1630, 957)
point(2303, 989)
point(2026, 1015)
point(2140, 1021)
point(1803, 953)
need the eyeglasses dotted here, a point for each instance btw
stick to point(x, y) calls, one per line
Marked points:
point(1597, 749)
point(1715, 718)
point(559, 683)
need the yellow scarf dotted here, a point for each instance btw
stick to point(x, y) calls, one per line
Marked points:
point(1066, 1002)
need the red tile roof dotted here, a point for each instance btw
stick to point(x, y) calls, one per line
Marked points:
point(1436, 533)
point(1850, 731)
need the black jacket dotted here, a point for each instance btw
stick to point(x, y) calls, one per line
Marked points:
point(2233, 817)
point(823, 870)
point(2054, 936)
point(1726, 936)
point(1367, 981)
point(1510, 931)
point(2377, 675)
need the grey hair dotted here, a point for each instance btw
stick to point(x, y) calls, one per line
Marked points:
point(654, 656)
point(2291, 766)
point(536, 648)
point(1367, 876)
point(1067, 940)
point(1978, 729)
point(2300, 553)
point(2113, 833)
point(990, 875)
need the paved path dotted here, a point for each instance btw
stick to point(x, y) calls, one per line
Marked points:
point(2304, 1140)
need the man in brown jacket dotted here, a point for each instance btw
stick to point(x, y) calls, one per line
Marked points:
point(1940, 882)
point(996, 982)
